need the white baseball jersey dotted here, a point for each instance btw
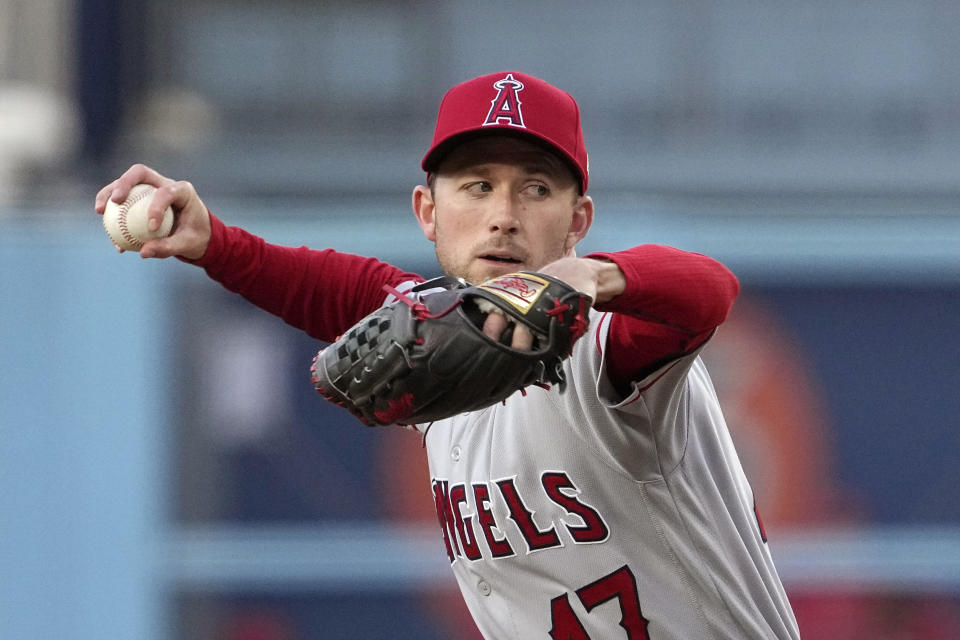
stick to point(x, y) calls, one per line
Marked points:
point(589, 515)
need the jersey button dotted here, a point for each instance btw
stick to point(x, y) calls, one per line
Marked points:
point(484, 588)
point(455, 453)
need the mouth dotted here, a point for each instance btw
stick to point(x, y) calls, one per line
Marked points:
point(500, 258)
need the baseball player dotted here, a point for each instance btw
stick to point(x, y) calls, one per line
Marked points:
point(615, 509)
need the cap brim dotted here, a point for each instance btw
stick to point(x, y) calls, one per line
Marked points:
point(435, 155)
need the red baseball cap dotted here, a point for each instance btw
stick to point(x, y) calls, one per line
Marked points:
point(515, 102)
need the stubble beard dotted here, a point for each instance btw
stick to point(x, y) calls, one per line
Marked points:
point(451, 267)
point(454, 270)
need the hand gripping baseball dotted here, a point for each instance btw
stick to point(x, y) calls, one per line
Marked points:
point(191, 229)
point(426, 358)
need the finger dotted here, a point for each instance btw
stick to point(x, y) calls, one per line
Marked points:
point(181, 193)
point(177, 195)
point(162, 198)
point(119, 189)
point(494, 325)
point(100, 202)
point(522, 338)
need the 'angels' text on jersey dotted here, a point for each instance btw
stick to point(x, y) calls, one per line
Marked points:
point(471, 528)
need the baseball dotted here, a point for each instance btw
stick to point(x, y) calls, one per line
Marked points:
point(126, 222)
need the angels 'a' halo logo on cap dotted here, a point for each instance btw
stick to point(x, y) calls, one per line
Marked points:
point(516, 102)
point(506, 106)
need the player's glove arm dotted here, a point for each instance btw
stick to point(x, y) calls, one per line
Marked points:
point(673, 302)
point(321, 292)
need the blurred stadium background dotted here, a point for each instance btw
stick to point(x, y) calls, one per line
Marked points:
point(165, 470)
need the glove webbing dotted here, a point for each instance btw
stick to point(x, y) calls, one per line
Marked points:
point(420, 310)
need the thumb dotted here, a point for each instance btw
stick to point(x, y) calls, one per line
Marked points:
point(183, 244)
point(189, 240)
point(160, 248)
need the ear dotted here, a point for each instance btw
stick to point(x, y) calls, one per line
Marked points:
point(580, 223)
point(425, 211)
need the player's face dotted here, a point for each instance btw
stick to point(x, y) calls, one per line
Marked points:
point(501, 204)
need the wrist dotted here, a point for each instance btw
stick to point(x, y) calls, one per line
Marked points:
point(609, 278)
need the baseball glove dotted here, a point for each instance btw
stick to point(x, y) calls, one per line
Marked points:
point(426, 358)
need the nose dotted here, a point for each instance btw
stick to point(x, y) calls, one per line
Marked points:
point(504, 215)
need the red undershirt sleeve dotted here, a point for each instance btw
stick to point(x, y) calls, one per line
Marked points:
point(672, 303)
point(323, 292)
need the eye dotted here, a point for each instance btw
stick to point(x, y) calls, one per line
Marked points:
point(478, 187)
point(537, 190)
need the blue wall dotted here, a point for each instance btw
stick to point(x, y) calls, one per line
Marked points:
point(84, 394)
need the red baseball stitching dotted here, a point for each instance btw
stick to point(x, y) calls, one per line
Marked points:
point(122, 218)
